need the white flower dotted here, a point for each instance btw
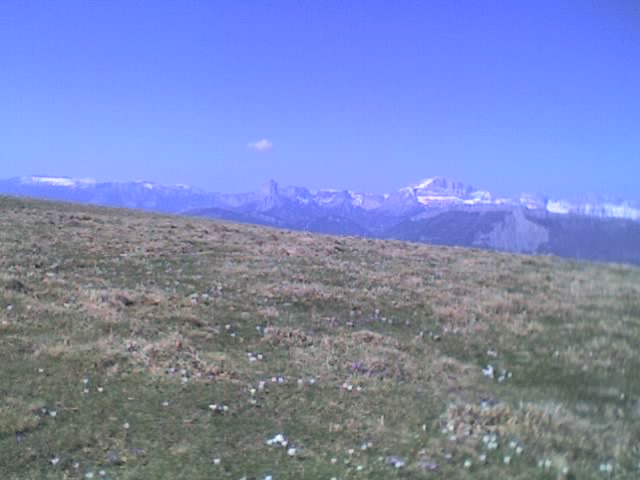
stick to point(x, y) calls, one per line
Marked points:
point(89, 475)
point(126, 425)
point(100, 389)
point(519, 450)
point(216, 461)
point(292, 452)
point(467, 464)
point(334, 460)
point(102, 473)
point(53, 414)
point(507, 460)
point(54, 461)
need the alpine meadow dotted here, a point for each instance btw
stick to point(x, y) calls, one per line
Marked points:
point(138, 346)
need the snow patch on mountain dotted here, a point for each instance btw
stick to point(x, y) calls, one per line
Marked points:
point(57, 181)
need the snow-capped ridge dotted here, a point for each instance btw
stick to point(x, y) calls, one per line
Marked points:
point(432, 193)
point(57, 181)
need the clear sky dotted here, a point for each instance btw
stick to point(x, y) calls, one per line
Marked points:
point(511, 96)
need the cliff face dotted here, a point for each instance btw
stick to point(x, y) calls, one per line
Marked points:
point(516, 233)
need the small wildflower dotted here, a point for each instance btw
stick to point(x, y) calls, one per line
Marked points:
point(100, 389)
point(506, 460)
point(53, 413)
point(102, 473)
point(334, 460)
point(54, 461)
point(396, 462)
point(467, 464)
point(292, 452)
point(89, 475)
point(126, 426)
point(488, 371)
point(359, 468)
point(216, 461)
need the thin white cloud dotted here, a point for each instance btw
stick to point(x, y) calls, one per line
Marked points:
point(263, 145)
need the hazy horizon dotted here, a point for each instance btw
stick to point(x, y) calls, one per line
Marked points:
point(537, 97)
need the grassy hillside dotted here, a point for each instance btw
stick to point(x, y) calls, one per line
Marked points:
point(138, 346)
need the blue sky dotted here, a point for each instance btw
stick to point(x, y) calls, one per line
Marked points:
point(511, 96)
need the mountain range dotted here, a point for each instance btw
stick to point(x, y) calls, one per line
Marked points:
point(435, 210)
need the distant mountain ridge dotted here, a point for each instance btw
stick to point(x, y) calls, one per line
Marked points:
point(435, 192)
point(434, 210)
